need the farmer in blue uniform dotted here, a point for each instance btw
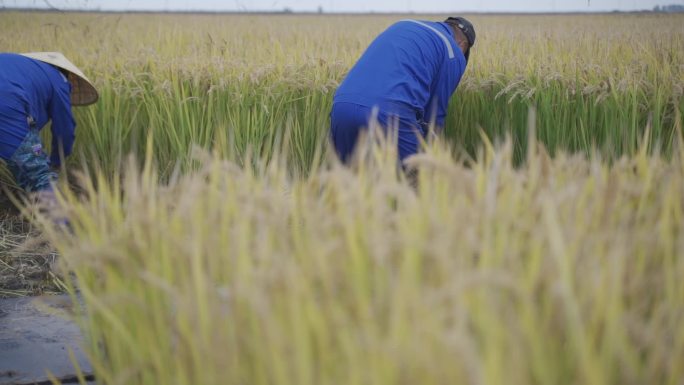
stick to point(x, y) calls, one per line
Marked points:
point(34, 89)
point(404, 80)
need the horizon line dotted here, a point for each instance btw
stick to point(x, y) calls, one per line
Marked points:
point(314, 12)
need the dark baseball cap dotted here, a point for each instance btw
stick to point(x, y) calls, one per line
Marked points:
point(467, 28)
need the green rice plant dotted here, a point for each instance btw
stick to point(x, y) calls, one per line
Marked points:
point(564, 270)
point(596, 81)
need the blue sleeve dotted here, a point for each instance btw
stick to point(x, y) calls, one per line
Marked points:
point(63, 123)
point(449, 79)
point(436, 110)
point(442, 108)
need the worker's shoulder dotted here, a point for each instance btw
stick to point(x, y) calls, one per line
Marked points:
point(423, 29)
point(22, 69)
point(12, 57)
point(420, 25)
point(17, 61)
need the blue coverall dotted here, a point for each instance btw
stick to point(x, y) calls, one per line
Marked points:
point(408, 74)
point(31, 94)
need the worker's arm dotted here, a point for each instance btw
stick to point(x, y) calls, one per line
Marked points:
point(448, 80)
point(442, 107)
point(436, 112)
point(63, 124)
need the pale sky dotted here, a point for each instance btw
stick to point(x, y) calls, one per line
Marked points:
point(437, 6)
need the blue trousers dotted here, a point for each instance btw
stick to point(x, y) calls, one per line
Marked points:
point(348, 120)
point(30, 165)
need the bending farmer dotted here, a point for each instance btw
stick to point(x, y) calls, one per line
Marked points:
point(407, 75)
point(36, 88)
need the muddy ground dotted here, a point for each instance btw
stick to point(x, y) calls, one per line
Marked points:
point(37, 335)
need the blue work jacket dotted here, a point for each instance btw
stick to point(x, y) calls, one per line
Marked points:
point(32, 88)
point(412, 69)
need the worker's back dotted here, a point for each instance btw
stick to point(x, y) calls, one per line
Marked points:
point(406, 69)
point(26, 86)
point(30, 87)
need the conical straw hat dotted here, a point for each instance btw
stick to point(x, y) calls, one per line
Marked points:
point(83, 92)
